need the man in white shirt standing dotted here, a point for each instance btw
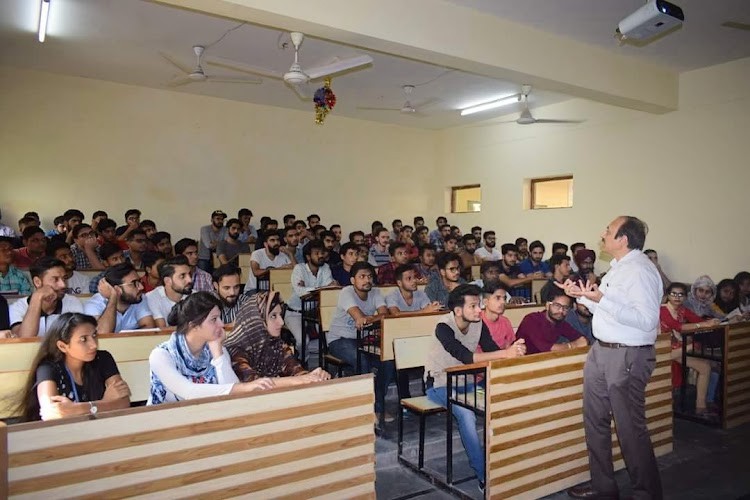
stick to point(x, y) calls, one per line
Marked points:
point(306, 278)
point(269, 256)
point(620, 362)
point(177, 284)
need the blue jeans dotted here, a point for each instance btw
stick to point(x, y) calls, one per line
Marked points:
point(467, 429)
point(385, 372)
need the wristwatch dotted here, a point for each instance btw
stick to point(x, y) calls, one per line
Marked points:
point(93, 409)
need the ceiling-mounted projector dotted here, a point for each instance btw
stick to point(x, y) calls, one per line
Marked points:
point(656, 17)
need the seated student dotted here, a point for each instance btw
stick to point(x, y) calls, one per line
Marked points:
point(257, 349)
point(560, 265)
point(119, 305)
point(489, 271)
point(202, 281)
point(727, 301)
point(426, 266)
point(523, 250)
point(306, 278)
point(33, 316)
point(11, 278)
point(494, 296)
point(399, 257)
point(84, 247)
point(405, 237)
point(228, 289)
point(580, 318)
point(654, 257)
point(193, 363)
point(149, 227)
point(71, 218)
point(584, 259)
point(337, 234)
point(132, 223)
point(341, 273)
point(574, 248)
point(450, 243)
point(743, 282)
point(356, 237)
point(468, 255)
point(557, 249)
point(151, 262)
point(59, 223)
point(137, 244)
point(421, 237)
point(701, 298)
point(248, 232)
point(329, 242)
point(535, 262)
point(439, 237)
point(676, 319)
point(162, 242)
point(407, 297)
point(291, 246)
point(363, 253)
point(70, 376)
point(379, 255)
point(78, 283)
point(449, 277)
point(541, 330)
point(358, 305)
point(262, 259)
point(177, 284)
point(111, 255)
point(230, 247)
point(488, 250)
point(370, 239)
point(34, 247)
point(96, 218)
point(512, 276)
point(457, 337)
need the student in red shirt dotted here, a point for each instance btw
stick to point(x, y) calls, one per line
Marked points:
point(500, 328)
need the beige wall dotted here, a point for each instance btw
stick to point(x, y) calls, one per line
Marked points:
point(74, 142)
point(686, 173)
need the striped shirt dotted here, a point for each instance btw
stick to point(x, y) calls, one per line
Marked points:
point(229, 314)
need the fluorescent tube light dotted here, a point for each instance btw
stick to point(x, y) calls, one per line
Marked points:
point(43, 17)
point(490, 105)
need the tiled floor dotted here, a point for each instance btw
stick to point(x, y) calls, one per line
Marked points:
point(707, 463)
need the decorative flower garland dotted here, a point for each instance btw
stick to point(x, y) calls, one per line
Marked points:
point(324, 100)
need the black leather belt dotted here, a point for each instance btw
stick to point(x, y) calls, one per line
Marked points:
point(618, 346)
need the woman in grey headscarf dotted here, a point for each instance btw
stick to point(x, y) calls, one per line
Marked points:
point(701, 298)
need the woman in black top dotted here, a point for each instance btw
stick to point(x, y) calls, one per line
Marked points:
point(70, 376)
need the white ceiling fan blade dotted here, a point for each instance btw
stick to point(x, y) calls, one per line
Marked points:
point(542, 120)
point(426, 103)
point(736, 25)
point(180, 80)
point(234, 80)
point(174, 62)
point(338, 67)
point(368, 108)
point(302, 90)
point(243, 68)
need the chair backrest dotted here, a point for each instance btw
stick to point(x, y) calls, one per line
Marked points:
point(411, 352)
point(284, 289)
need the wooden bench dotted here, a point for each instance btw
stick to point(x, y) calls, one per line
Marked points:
point(312, 441)
point(736, 375)
point(130, 351)
point(535, 439)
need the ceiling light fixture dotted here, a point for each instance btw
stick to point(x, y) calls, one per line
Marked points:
point(490, 105)
point(43, 17)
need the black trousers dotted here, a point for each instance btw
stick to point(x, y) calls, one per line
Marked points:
point(614, 380)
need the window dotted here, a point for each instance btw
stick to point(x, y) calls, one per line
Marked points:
point(466, 199)
point(552, 192)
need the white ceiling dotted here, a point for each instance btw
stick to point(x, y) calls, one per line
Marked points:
point(120, 40)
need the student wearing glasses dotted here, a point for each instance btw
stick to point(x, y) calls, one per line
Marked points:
point(542, 330)
point(677, 319)
point(119, 305)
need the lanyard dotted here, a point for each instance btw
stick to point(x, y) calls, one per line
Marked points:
point(73, 384)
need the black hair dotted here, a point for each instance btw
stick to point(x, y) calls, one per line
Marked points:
point(58, 220)
point(508, 247)
point(7, 239)
point(313, 216)
point(225, 270)
point(33, 214)
point(288, 217)
point(361, 266)
point(457, 297)
point(727, 307)
point(443, 226)
point(492, 286)
point(115, 274)
point(489, 264)
point(353, 234)
point(244, 211)
point(72, 212)
point(150, 258)
point(192, 311)
point(346, 247)
point(184, 244)
point(476, 228)
point(333, 226)
point(100, 213)
point(741, 276)
point(108, 249)
point(636, 231)
point(136, 232)
point(168, 267)
point(381, 229)
point(147, 223)
point(159, 236)
point(650, 250)
point(418, 218)
point(424, 248)
point(559, 246)
point(555, 292)
point(395, 246)
point(286, 230)
point(41, 266)
point(132, 211)
point(488, 233)
point(301, 223)
point(467, 238)
point(536, 244)
point(442, 217)
point(682, 286)
point(106, 224)
point(375, 224)
point(396, 221)
point(421, 229)
point(576, 246)
point(233, 221)
point(27, 220)
point(60, 330)
point(54, 245)
point(307, 249)
point(30, 231)
point(80, 227)
point(445, 258)
point(521, 240)
point(328, 234)
point(557, 259)
point(268, 233)
point(400, 270)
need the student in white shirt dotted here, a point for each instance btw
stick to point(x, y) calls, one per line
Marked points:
point(177, 284)
point(488, 250)
point(269, 256)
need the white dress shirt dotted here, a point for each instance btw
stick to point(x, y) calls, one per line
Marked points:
point(628, 312)
point(302, 274)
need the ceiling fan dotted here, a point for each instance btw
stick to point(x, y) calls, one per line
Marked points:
point(407, 108)
point(297, 77)
point(196, 74)
point(527, 118)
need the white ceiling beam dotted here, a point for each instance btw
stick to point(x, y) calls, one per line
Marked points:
point(448, 35)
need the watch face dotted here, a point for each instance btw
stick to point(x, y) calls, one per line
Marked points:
point(93, 409)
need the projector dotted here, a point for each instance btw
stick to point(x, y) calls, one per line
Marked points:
point(656, 17)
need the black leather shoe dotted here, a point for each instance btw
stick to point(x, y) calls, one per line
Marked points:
point(585, 491)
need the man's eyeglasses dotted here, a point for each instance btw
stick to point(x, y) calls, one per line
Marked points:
point(558, 306)
point(134, 284)
point(676, 294)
